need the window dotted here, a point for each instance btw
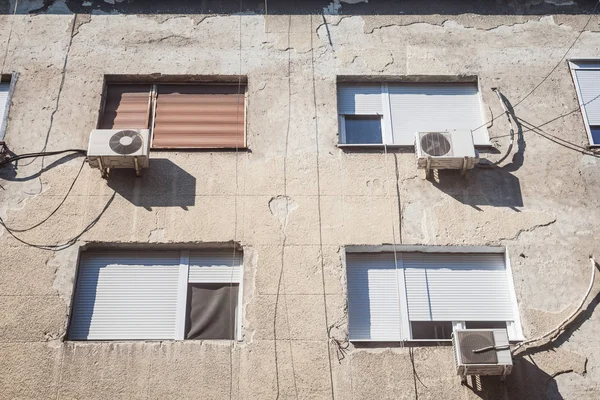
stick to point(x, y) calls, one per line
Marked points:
point(6, 88)
point(392, 114)
point(586, 74)
point(425, 295)
point(157, 295)
point(179, 116)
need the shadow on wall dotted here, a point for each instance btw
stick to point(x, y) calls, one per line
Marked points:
point(527, 381)
point(285, 7)
point(493, 186)
point(9, 171)
point(164, 184)
point(481, 187)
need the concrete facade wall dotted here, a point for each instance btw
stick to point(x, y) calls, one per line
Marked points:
point(542, 204)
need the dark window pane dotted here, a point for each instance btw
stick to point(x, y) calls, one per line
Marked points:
point(595, 131)
point(431, 330)
point(485, 325)
point(211, 309)
point(363, 129)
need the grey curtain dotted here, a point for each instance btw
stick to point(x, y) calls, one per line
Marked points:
point(211, 309)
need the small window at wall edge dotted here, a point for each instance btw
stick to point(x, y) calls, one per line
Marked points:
point(148, 104)
point(7, 87)
point(586, 75)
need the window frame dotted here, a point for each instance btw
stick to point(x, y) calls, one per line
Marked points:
point(153, 94)
point(12, 81)
point(572, 63)
point(342, 118)
point(514, 328)
point(182, 293)
point(387, 134)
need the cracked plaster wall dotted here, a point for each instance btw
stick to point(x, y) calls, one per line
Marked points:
point(542, 205)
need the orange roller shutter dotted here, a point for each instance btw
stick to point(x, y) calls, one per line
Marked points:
point(202, 116)
point(126, 106)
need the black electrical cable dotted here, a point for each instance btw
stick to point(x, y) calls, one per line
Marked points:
point(555, 139)
point(58, 96)
point(46, 153)
point(68, 243)
point(55, 209)
point(562, 58)
point(593, 12)
point(561, 142)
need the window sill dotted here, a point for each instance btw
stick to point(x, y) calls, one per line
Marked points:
point(372, 145)
point(384, 343)
point(402, 146)
point(135, 341)
point(201, 149)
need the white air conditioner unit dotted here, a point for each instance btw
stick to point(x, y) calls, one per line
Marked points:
point(119, 148)
point(481, 352)
point(445, 150)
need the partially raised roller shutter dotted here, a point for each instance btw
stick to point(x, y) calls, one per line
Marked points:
point(126, 295)
point(359, 99)
point(435, 107)
point(126, 107)
point(199, 116)
point(457, 287)
point(215, 267)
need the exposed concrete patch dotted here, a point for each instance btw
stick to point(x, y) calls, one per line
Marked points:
point(64, 263)
point(282, 207)
point(157, 235)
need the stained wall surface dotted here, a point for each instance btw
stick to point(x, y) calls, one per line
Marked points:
point(294, 199)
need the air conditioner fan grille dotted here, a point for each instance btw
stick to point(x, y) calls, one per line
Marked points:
point(126, 142)
point(435, 144)
point(470, 341)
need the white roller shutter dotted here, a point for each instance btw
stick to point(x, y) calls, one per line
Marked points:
point(4, 87)
point(215, 267)
point(360, 100)
point(126, 295)
point(588, 81)
point(457, 287)
point(417, 107)
point(373, 304)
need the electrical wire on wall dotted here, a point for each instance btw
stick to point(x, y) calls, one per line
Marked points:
point(281, 279)
point(519, 102)
point(235, 223)
point(10, 30)
point(319, 214)
point(13, 230)
point(19, 230)
point(58, 96)
point(43, 153)
point(68, 243)
point(553, 334)
point(511, 134)
point(536, 129)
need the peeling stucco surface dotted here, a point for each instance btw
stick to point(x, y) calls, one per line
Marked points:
point(541, 205)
